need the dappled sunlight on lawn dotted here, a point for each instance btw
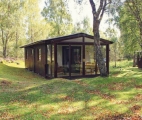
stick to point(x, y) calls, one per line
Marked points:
point(25, 95)
point(16, 64)
point(125, 69)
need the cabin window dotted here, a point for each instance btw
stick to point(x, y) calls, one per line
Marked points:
point(39, 54)
point(26, 54)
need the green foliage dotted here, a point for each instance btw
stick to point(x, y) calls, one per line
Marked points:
point(20, 23)
point(25, 95)
point(56, 14)
point(37, 28)
point(129, 31)
point(129, 22)
point(83, 26)
point(9, 22)
point(115, 48)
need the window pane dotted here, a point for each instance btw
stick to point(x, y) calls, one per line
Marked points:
point(39, 54)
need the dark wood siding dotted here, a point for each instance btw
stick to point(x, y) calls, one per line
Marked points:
point(29, 58)
point(40, 63)
point(26, 58)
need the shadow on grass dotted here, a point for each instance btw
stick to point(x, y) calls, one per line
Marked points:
point(35, 98)
point(18, 73)
point(71, 99)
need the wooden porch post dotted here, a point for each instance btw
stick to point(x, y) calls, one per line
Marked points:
point(107, 58)
point(34, 50)
point(51, 60)
point(46, 67)
point(55, 60)
point(83, 57)
point(69, 60)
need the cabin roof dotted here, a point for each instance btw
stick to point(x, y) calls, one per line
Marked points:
point(68, 38)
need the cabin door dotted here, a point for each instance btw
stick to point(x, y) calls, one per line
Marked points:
point(75, 58)
point(75, 55)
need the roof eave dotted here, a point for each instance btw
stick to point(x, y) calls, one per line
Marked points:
point(62, 38)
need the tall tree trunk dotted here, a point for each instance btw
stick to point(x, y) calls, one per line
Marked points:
point(5, 47)
point(99, 56)
point(115, 59)
point(3, 43)
point(4, 51)
point(140, 26)
point(97, 17)
point(16, 51)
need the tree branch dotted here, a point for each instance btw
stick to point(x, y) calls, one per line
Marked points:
point(103, 10)
point(100, 8)
point(134, 12)
point(93, 7)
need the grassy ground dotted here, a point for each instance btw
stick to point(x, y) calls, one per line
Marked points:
point(27, 96)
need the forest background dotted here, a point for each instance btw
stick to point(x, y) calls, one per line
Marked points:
point(26, 21)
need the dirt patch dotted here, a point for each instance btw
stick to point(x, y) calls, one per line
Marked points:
point(81, 83)
point(116, 86)
point(135, 108)
point(118, 116)
point(68, 98)
point(110, 116)
point(138, 97)
point(138, 86)
point(5, 83)
point(102, 95)
point(7, 116)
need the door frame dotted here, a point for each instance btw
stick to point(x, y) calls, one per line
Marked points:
point(69, 55)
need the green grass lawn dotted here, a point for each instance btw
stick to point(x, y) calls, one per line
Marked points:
point(27, 96)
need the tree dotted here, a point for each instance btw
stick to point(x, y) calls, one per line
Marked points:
point(97, 17)
point(56, 14)
point(7, 9)
point(83, 26)
point(33, 21)
point(130, 28)
point(129, 32)
point(19, 29)
point(111, 34)
point(135, 8)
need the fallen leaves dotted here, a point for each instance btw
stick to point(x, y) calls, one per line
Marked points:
point(116, 86)
point(108, 115)
point(135, 117)
point(68, 98)
point(138, 86)
point(103, 95)
point(5, 83)
point(45, 114)
point(49, 112)
point(138, 97)
point(81, 83)
point(117, 116)
point(7, 116)
point(135, 108)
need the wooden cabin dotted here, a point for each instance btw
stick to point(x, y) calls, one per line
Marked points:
point(67, 56)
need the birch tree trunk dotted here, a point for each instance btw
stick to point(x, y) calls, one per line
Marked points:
point(97, 16)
